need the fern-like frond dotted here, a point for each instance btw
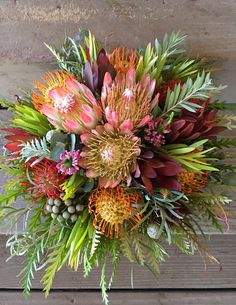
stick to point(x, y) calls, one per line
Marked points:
point(178, 99)
point(227, 120)
point(55, 262)
point(224, 143)
point(37, 148)
point(95, 242)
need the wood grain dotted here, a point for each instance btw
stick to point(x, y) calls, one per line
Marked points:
point(179, 271)
point(123, 297)
point(26, 24)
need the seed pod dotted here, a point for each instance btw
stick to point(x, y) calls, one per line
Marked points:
point(57, 202)
point(66, 215)
point(54, 216)
point(73, 217)
point(60, 218)
point(68, 202)
point(55, 209)
point(71, 209)
point(50, 201)
point(79, 207)
point(152, 230)
point(62, 195)
point(49, 208)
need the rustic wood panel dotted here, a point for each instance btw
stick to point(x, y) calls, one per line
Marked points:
point(179, 271)
point(25, 24)
point(124, 297)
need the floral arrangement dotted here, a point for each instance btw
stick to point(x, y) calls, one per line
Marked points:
point(115, 154)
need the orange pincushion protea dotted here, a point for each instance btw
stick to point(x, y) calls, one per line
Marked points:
point(112, 209)
point(122, 59)
point(192, 181)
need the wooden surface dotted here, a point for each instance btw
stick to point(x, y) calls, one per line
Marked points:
point(26, 24)
point(123, 298)
point(179, 271)
point(211, 29)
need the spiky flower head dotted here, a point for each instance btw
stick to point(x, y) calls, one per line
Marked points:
point(113, 208)
point(68, 104)
point(43, 179)
point(110, 155)
point(126, 103)
point(123, 59)
point(69, 164)
point(192, 181)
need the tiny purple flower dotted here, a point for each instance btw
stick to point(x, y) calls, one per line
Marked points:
point(69, 162)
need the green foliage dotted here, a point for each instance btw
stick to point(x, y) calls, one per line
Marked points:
point(92, 45)
point(146, 62)
point(226, 120)
point(178, 99)
point(37, 148)
point(72, 184)
point(72, 55)
point(168, 48)
point(221, 105)
point(30, 120)
point(182, 68)
point(31, 262)
point(188, 156)
point(56, 261)
point(224, 143)
point(4, 103)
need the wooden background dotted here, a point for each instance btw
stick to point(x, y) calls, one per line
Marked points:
point(211, 29)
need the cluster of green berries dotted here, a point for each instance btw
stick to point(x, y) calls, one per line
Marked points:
point(64, 210)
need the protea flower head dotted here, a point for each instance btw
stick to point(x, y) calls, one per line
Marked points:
point(128, 104)
point(112, 209)
point(68, 104)
point(44, 179)
point(109, 155)
point(123, 59)
point(192, 181)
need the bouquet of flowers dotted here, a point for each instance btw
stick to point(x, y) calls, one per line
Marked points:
point(115, 154)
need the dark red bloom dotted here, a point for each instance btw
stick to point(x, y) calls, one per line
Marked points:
point(158, 172)
point(18, 137)
point(201, 124)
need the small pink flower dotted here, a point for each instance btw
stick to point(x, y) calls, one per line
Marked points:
point(69, 162)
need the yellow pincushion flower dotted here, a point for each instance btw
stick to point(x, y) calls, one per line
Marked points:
point(112, 208)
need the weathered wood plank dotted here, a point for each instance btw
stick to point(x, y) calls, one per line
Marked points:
point(210, 24)
point(180, 271)
point(124, 297)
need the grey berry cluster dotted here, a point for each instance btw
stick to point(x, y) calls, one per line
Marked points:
point(64, 210)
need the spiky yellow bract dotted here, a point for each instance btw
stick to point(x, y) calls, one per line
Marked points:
point(192, 181)
point(128, 102)
point(68, 104)
point(123, 59)
point(112, 208)
point(51, 81)
point(109, 155)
